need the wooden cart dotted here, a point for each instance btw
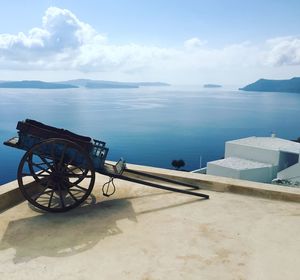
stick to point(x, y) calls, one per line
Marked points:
point(57, 171)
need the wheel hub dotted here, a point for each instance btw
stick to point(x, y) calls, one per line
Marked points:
point(57, 177)
point(59, 181)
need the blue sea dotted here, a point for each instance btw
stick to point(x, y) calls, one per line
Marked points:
point(151, 125)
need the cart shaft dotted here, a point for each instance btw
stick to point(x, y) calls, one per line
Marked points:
point(158, 186)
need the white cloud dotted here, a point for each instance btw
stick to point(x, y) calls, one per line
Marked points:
point(65, 43)
point(284, 51)
point(194, 43)
point(59, 38)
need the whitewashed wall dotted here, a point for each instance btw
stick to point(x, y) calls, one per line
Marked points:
point(263, 174)
point(251, 153)
point(214, 169)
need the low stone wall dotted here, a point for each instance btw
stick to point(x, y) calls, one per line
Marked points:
point(10, 194)
point(223, 184)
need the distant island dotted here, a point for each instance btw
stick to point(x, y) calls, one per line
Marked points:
point(87, 83)
point(211, 86)
point(35, 84)
point(84, 83)
point(291, 85)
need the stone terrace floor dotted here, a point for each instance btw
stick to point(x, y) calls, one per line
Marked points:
point(144, 233)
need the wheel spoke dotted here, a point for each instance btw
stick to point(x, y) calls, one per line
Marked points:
point(69, 170)
point(79, 187)
point(50, 199)
point(72, 171)
point(72, 195)
point(36, 196)
point(41, 173)
point(61, 195)
point(46, 162)
point(38, 164)
point(63, 155)
point(75, 178)
point(41, 168)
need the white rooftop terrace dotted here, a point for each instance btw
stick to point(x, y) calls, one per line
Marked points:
point(270, 143)
point(239, 163)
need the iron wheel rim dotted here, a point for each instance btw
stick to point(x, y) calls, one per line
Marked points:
point(58, 186)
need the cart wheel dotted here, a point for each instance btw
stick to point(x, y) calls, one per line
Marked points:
point(56, 175)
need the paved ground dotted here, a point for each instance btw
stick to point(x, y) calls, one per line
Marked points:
point(143, 233)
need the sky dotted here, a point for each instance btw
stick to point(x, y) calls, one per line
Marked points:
point(229, 42)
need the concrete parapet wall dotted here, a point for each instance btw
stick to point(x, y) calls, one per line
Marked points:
point(222, 184)
point(10, 194)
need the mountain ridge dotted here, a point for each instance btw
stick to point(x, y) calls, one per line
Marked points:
point(291, 85)
point(76, 83)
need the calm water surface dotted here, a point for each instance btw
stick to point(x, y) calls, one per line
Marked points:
point(150, 126)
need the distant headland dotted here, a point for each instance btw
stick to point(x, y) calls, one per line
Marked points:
point(212, 86)
point(79, 83)
point(291, 85)
point(35, 84)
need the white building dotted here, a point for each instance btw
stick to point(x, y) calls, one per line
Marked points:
point(259, 159)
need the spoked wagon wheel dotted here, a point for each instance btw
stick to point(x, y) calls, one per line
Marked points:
point(56, 175)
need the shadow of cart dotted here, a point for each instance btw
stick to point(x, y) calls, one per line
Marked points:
point(66, 234)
